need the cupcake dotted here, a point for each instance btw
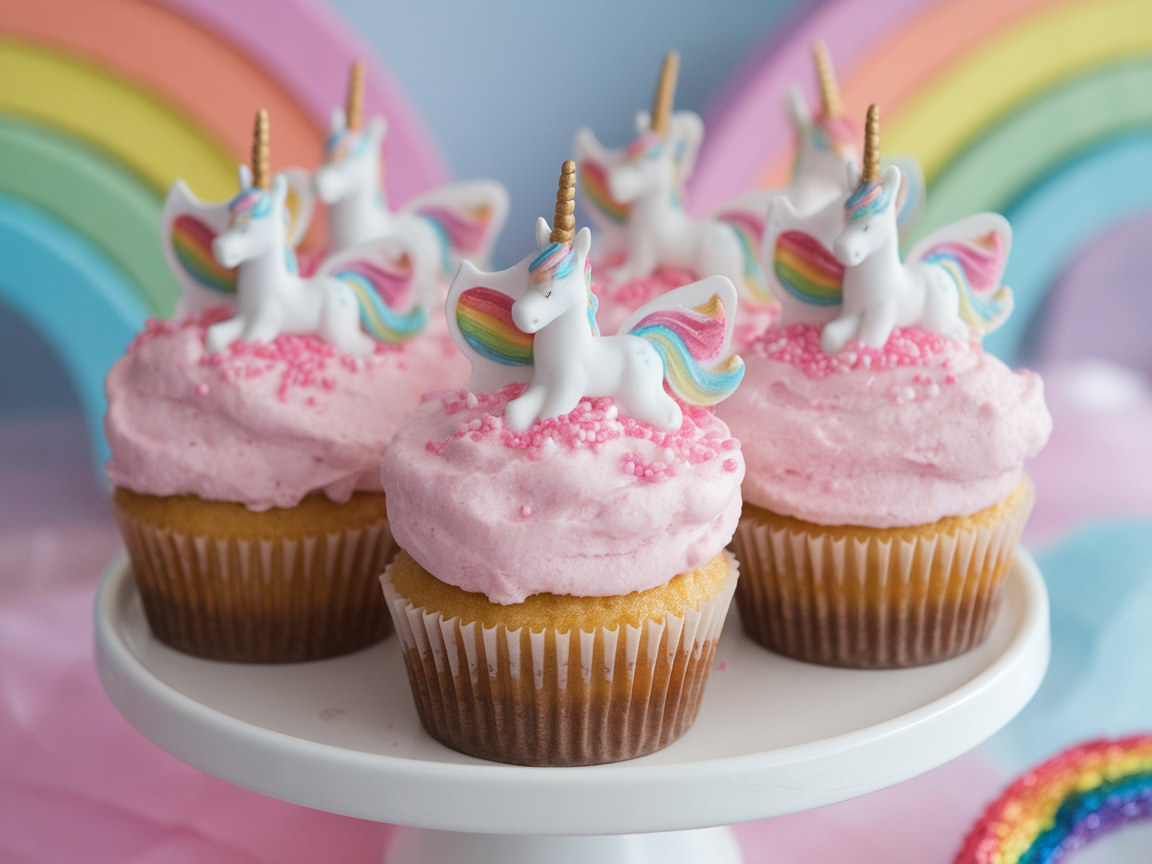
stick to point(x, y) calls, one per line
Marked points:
point(884, 496)
point(246, 434)
point(563, 579)
point(648, 242)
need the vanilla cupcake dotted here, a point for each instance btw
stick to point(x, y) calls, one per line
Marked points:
point(885, 494)
point(563, 581)
point(246, 436)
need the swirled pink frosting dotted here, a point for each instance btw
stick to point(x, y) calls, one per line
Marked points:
point(590, 505)
point(925, 428)
point(263, 424)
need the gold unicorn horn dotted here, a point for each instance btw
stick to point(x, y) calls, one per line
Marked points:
point(354, 110)
point(261, 170)
point(665, 93)
point(829, 89)
point(564, 224)
point(871, 171)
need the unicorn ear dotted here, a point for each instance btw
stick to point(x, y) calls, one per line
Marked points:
point(798, 109)
point(543, 233)
point(378, 127)
point(279, 190)
point(890, 180)
point(643, 123)
point(244, 175)
point(339, 121)
point(583, 242)
point(853, 174)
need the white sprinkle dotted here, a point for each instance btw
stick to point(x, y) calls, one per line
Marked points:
point(470, 400)
point(525, 511)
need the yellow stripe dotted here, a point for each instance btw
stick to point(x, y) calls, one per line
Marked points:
point(158, 142)
point(1013, 67)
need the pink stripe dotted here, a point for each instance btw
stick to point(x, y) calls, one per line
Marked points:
point(701, 335)
point(308, 49)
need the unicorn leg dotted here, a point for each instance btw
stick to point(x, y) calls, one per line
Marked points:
point(523, 411)
point(221, 335)
point(877, 325)
point(340, 324)
point(836, 334)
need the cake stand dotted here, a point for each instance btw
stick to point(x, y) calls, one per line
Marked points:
point(773, 736)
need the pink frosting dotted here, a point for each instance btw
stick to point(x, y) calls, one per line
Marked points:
point(591, 504)
point(925, 428)
point(263, 424)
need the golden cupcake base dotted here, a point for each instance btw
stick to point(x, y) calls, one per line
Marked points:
point(559, 680)
point(280, 586)
point(873, 598)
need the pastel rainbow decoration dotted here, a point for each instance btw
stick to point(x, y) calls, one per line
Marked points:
point(464, 229)
point(685, 338)
point(976, 266)
point(748, 226)
point(1064, 804)
point(594, 185)
point(868, 199)
point(115, 100)
point(996, 99)
point(378, 288)
point(484, 317)
point(807, 269)
point(192, 243)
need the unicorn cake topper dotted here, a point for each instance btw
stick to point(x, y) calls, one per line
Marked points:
point(239, 254)
point(635, 197)
point(440, 226)
point(826, 145)
point(535, 323)
point(949, 283)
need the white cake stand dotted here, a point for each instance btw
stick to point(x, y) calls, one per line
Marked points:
point(774, 736)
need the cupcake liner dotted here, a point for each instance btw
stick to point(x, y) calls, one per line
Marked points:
point(867, 602)
point(559, 698)
point(261, 600)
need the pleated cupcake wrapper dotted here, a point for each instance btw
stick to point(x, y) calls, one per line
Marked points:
point(261, 600)
point(871, 603)
point(559, 698)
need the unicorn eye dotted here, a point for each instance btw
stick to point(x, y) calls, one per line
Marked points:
point(549, 294)
point(866, 226)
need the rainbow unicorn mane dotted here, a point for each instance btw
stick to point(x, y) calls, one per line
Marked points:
point(976, 266)
point(192, 242)
point(836, 134)
point(686, 337)
point(484, 316)
point(377, 290)
point(870, 198)
point(807, 270)
point(1064, 804)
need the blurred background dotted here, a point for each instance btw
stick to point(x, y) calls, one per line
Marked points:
point(1038, 109)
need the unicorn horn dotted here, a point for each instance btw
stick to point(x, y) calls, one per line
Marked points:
point(564, 224)
point(261, 170)
point(829, 89)
point(665, 93)
point(871, 171)
point(354, 111)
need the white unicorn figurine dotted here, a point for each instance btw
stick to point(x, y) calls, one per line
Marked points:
point(236, 253)
point(949, 283)
point(535, 323)
point(440, 226)
point(635, 197)
point(826, 146)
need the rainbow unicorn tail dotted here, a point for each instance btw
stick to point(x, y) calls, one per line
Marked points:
point(976, 267)
point(684, 338)
point(749, 229)
point(373, 287)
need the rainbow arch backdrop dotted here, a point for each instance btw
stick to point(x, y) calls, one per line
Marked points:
point(999, 99)
point(103, 105)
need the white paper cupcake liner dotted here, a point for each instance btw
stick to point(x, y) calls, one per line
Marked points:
point(262, 600)
point(871, 603)
point(559, 698)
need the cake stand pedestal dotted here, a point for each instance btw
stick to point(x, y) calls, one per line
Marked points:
point(773, 736)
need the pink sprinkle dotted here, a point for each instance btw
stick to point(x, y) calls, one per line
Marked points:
point(525, 511)
point(949, 379)
point(202, 389)
point(301, 361)
point(799, 344)
point(731, 464)
point(722, 667)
